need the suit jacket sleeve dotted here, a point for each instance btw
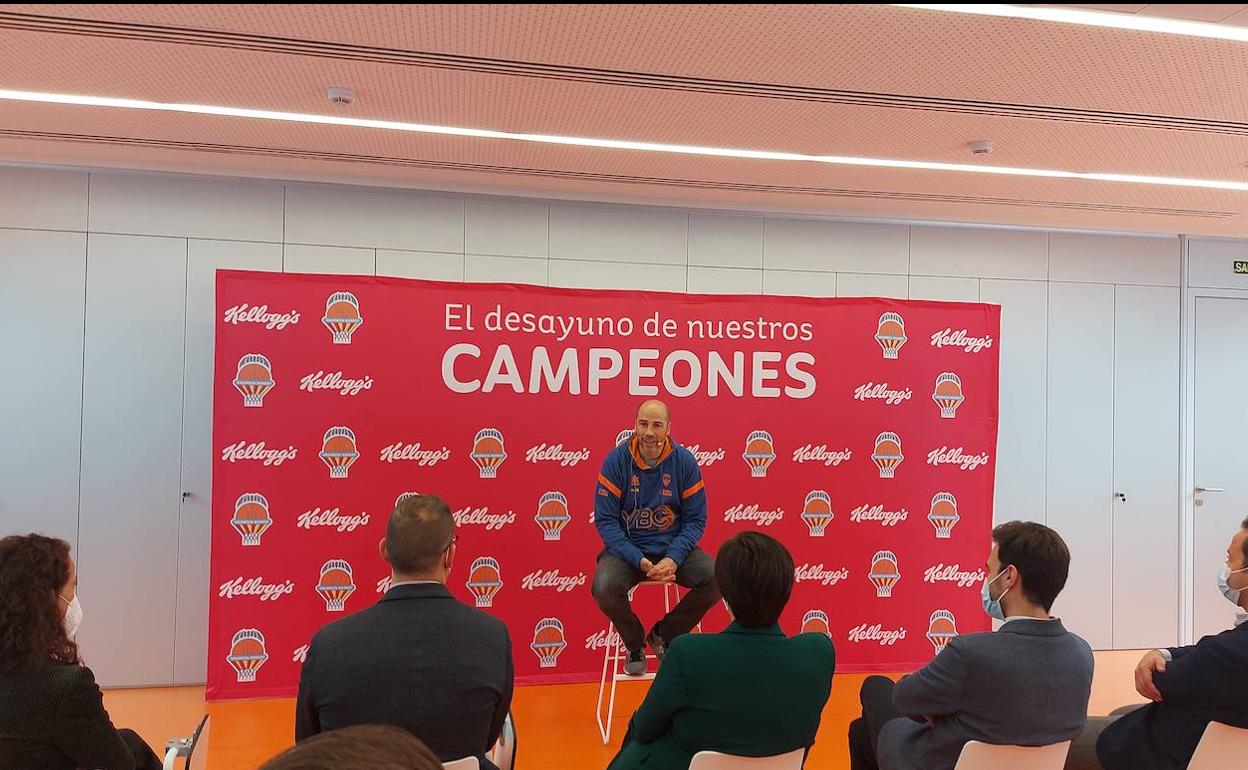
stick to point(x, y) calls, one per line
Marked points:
point(692, 513)
point(666, 697)
point(1194, 678)
point(307, 722)
point(87, 735)
point(608, 508)
point(504, 700)
point(935, 689)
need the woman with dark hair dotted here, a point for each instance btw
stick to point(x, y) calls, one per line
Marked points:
point(376, 747)
point(52, 713)
point(750, 690)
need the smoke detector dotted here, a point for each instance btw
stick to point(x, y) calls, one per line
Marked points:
point(341, 95)
point(980, 147)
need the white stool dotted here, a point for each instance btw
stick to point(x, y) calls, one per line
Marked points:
point(613, 655)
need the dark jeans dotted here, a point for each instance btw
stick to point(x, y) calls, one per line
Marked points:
point(864, 733)
point(614, 578)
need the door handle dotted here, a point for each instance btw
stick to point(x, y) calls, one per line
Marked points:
point(1201, 490)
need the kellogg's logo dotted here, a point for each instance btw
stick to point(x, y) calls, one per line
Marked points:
point(331, 518)
point(705, 459)
point(346, 386)
point(600, 640)
point(868, 512)
point(882, 392)
point(876, 633)
point(300, 655)
point(385, 584)
point(956, 456)
point(821, 454)
point(400, 452)
point(552, 579)
point(961, 339)
point(259, 314)
point(241, 586)
point(753, 513)
point(555, 453)
point(817, 573)
point(953, 573)
point(481, 516)
point(257, 451)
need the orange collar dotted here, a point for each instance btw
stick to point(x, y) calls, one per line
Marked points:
point(634, 448)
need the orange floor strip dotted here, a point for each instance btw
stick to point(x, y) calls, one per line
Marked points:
point(556, 723)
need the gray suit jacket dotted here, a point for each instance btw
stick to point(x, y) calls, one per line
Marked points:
point(1027, 685)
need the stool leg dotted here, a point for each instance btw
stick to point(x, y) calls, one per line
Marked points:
point(610, 657)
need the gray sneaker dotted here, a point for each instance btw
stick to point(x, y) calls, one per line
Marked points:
point(657, 644)
point(636, 665)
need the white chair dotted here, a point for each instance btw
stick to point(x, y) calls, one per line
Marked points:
point(194, 748)
point(1220, 748)
point(713, 760)
point(503, 755)
point(985, 756)
point(615, 655)
point(467, 763)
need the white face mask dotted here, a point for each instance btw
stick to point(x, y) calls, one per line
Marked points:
point(73, 616)
point(1232, 594)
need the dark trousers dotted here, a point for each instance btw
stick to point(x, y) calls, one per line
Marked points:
point(614, 578)
point(144, 757)
point(1082, 754)
point(877, 709)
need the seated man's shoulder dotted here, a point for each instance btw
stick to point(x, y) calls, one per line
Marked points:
point(813, 643)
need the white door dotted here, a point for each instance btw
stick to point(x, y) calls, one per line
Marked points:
point(1220, 424)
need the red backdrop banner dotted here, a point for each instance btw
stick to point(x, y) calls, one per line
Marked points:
point(860, 432)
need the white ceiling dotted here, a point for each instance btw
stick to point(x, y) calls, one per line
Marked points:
point(861, 80)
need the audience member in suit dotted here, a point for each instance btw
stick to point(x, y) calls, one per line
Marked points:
point(750, 690)
point(52, 713)
point(376, 747)
point(418, 659)
point(1026, 684)
point(1188, 687)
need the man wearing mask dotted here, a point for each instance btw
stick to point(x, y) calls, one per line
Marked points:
point(650, 511)
point(1027, 684)
point(1189, 687)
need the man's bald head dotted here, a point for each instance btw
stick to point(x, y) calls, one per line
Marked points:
point(651, 404)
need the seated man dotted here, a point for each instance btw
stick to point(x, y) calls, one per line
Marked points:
point(377, 747)
point(650, 510)
point(1188, 686)
point(418, 659)
point(1027, 684)
point(749, 691)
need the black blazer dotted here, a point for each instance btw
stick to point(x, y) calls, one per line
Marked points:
point(418, 659)
point(1206, 682)
point(53, 718)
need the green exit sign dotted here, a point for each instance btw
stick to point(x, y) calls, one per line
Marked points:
point(1241, 267)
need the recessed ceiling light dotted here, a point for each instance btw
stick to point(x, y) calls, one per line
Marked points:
point(613, 144)
point(1093, 19)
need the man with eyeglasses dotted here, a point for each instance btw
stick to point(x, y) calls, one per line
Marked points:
point(418, 659)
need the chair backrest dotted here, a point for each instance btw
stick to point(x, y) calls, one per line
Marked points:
point(984, 756)
point(197, 759)
point(503, 755)
point(1220, 748)
point(467, 763)
point(713, 760)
